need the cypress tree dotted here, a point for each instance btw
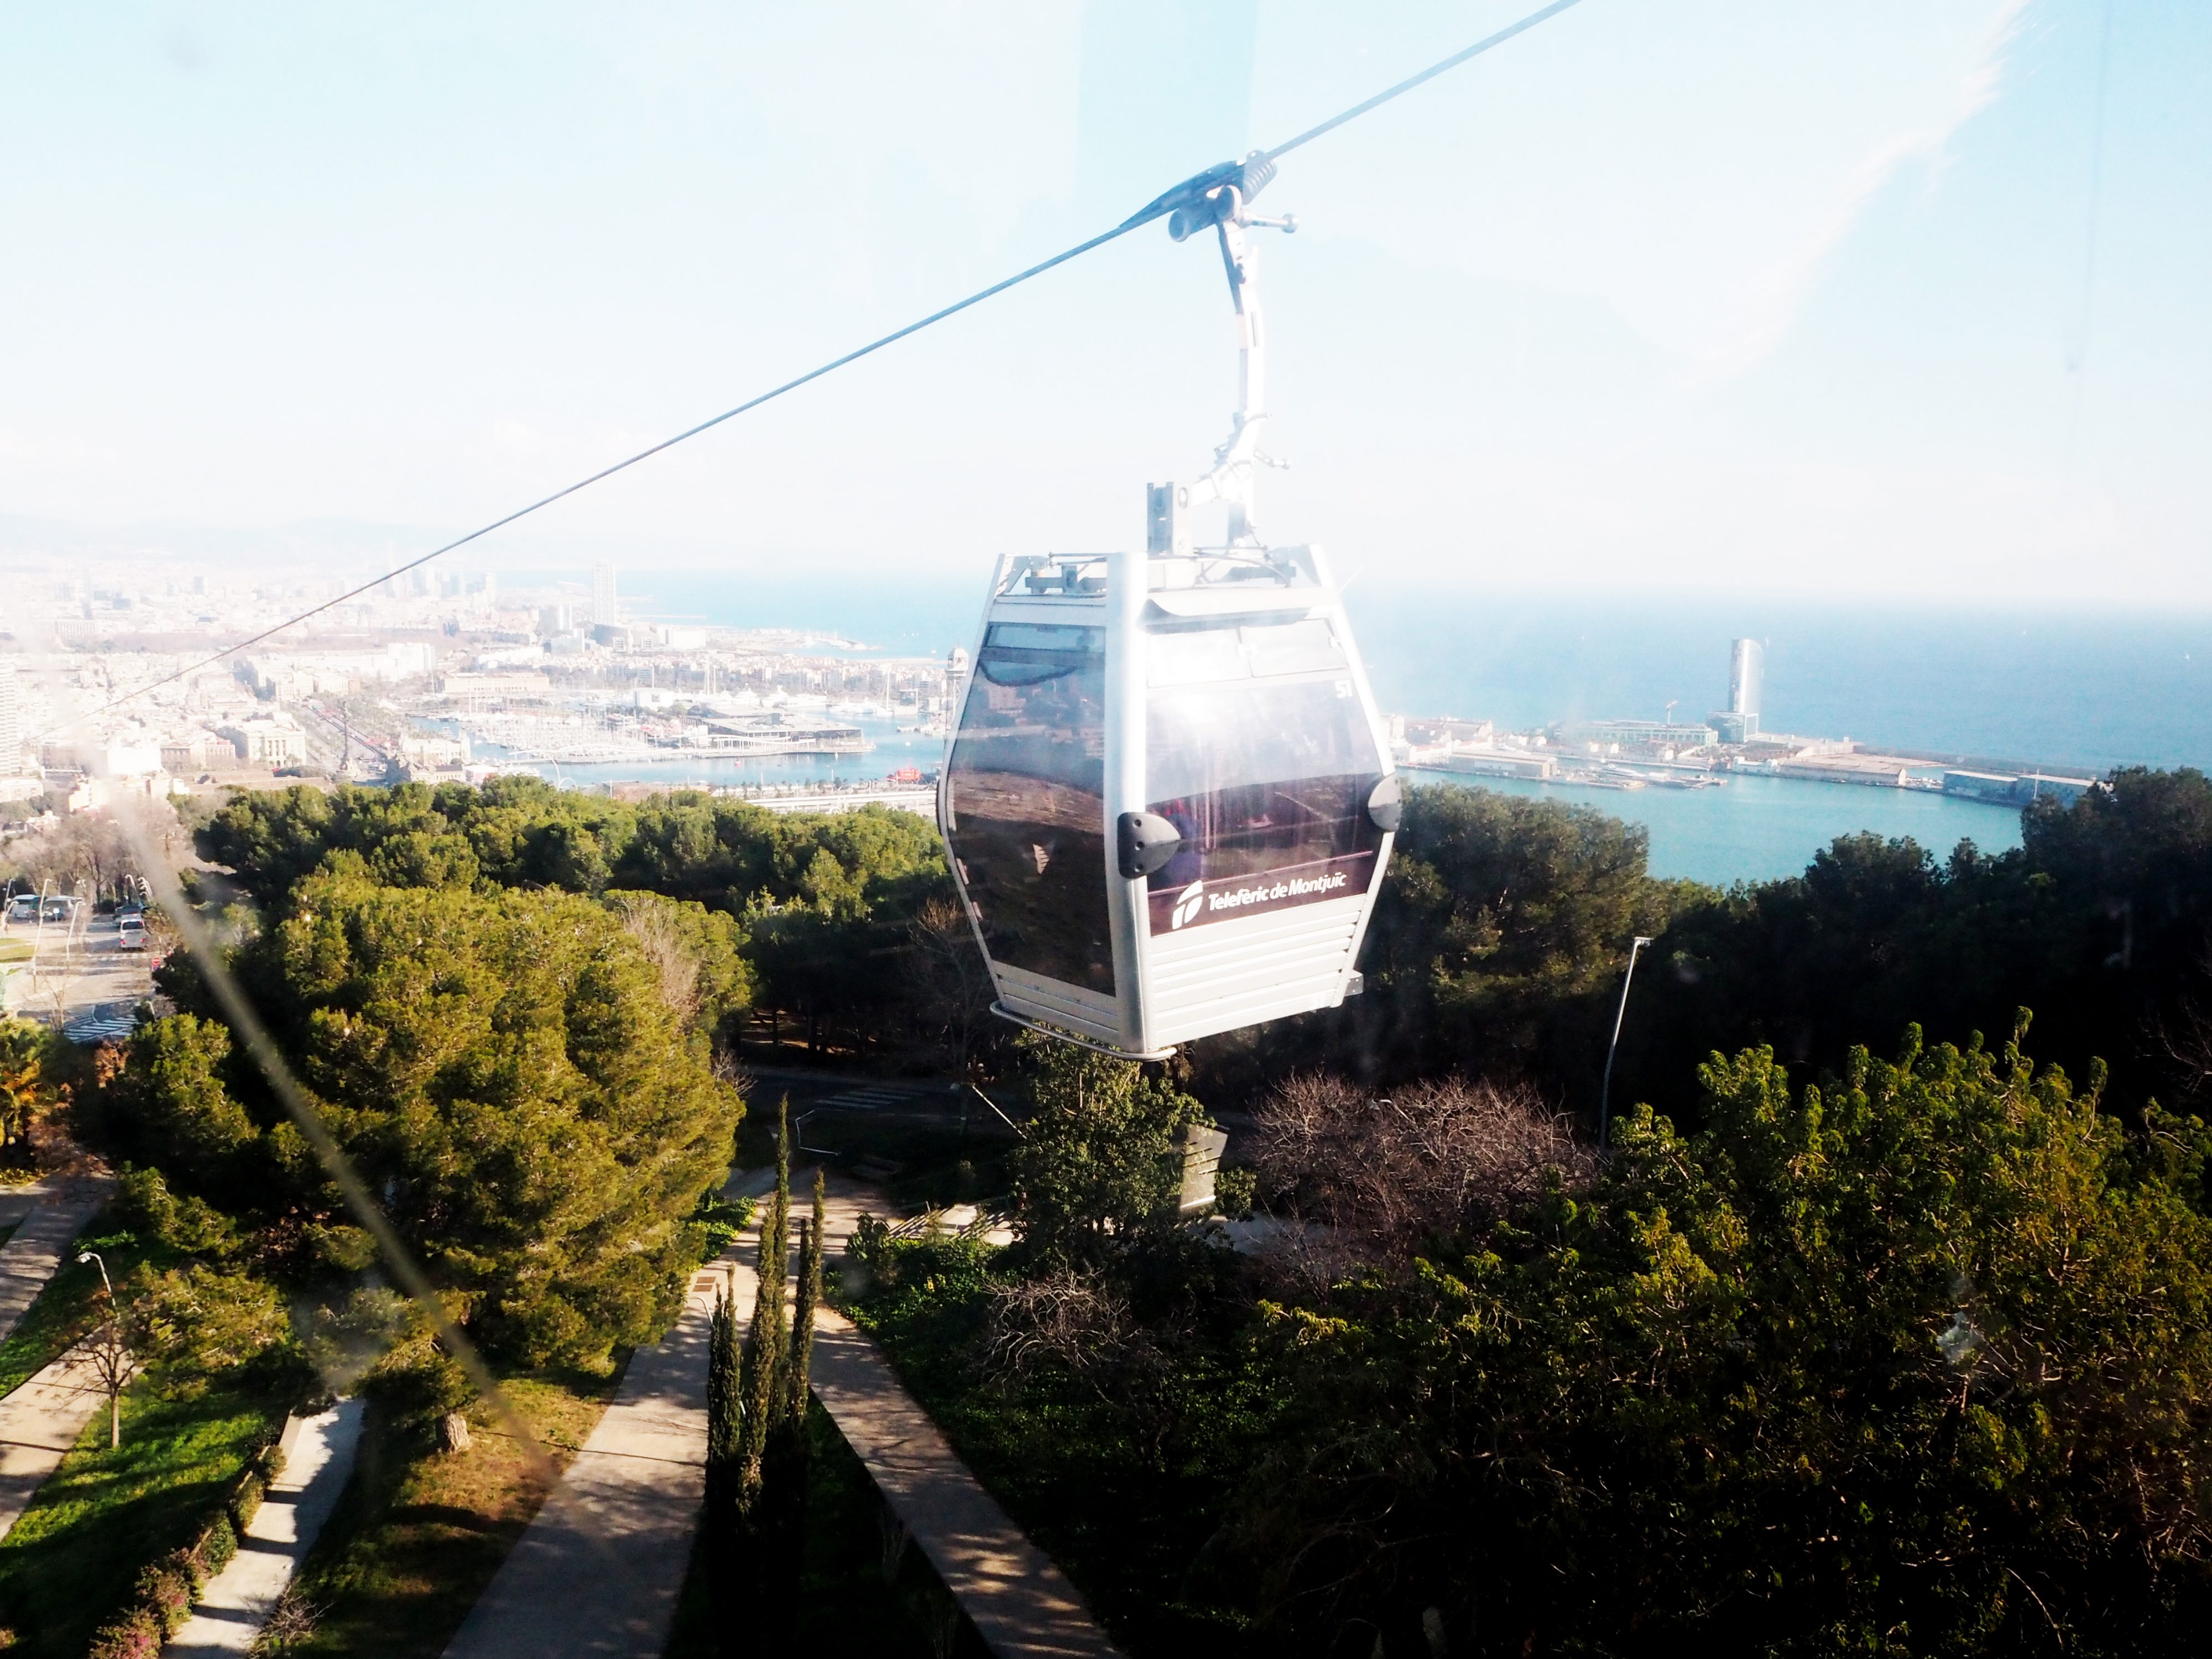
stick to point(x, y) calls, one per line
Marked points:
point(765, 1347)
point(724, 1436)
point(793, 1402)
point(781, 1511)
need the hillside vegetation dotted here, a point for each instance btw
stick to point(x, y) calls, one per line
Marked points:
point(1883, 1326)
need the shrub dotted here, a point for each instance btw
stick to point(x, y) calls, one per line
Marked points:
point(137, 1634)
point(144, 1203)
point(217, 1546)
point(166, 1590)
point(1389, 1179)
point(246, 1502)
point(291, 1623)
point(721, 1223)
point(869, 1249)
point(1099, 1166)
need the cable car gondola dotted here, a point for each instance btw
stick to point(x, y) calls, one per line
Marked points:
point(1169, 799)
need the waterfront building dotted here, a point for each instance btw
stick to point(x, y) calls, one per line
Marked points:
point(1645, 737)
point(1531, 763)
point(2014, 789)
point(1739, 721)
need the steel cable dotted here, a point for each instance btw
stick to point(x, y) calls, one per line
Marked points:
point(1156, 208)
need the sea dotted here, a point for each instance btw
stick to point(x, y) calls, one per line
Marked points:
point(2074, 691)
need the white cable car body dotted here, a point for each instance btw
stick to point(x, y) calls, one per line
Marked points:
point(1167, 797)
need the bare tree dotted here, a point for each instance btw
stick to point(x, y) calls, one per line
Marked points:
point(952, 983)
point(1065, 1321)
point(2186, 1039)
point(673, 955)
point(1377, 1177)
point(90, 853)
point(107, 1351)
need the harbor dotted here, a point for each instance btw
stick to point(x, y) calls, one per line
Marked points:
point(1752, 806)
point(1729, 746)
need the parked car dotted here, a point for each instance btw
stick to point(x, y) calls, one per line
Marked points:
point(60, 907)
point(24, 906)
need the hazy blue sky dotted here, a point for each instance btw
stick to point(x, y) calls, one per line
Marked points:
point(1779, 294)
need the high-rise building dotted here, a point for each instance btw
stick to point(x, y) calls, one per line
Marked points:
point(1739, 721)
point(11, 724)
point(606, 607)
point(1746, 670)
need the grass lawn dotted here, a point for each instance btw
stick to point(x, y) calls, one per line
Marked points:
point(419, 1533)
point(848, 1608)
point(69, 1565)
point(66, 1309)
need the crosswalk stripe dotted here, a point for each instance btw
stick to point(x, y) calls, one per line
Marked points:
point(868, 1099)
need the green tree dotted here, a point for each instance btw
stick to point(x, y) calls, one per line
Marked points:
point(1918, 1363)
point(2102, 920)
point(822, 903)
point(1100, 1162)
point(175, 1109)
point(22, 1076)
point(504, 1072)
point(1495, 949)
point(193, 1323)
point(724, 1521)
point(785, 1462)
point(188, 1224)
point(767, 1342)
point(793, 1402)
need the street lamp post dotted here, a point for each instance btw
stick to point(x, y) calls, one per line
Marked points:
point(94, 1256)
point(108, 1355)
point(1605, 1091)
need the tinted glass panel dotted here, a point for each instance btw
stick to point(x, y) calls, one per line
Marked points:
point(1027, 785)
point(1262, 776)
point(1188, 656)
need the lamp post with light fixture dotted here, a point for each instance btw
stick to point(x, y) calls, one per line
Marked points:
point(1605, 1091)
point(108, 1354)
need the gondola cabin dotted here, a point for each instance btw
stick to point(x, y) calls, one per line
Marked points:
point(1169, 799)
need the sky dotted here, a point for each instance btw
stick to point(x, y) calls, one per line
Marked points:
point(1902, 300)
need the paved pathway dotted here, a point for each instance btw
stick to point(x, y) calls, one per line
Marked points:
point(318, 1460)
point(1020, 1604)
point(39, 1422)
point(52, 1212)
point(598, 1573)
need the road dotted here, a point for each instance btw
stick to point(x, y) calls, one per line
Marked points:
point(77, 971)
